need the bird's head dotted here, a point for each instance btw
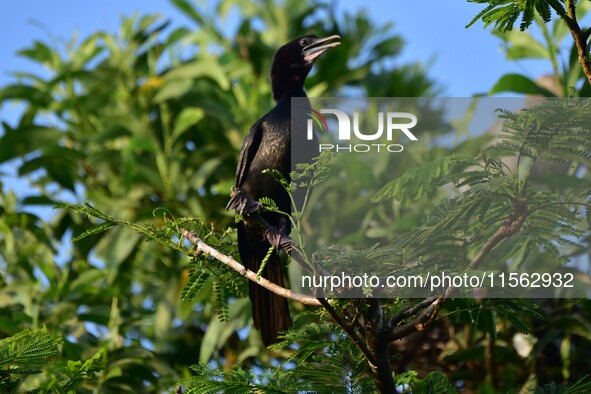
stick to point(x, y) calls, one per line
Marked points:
point(293, 61)
point(304, 50)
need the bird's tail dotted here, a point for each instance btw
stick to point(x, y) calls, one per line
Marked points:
point(270, 312)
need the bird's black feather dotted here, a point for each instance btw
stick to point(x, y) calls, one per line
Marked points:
point(268, 146)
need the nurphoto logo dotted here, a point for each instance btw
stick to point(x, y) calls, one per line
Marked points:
point(396, 124)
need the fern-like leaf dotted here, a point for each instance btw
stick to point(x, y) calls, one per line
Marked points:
point(24, 354)
point(582, 385)
point(264, 262)
point(197, 279)
point(504, 13)
point(422, 182)
point(221, 301)
point(434, 383)
point(95, 230)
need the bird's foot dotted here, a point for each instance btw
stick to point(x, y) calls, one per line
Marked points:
point(240, 202)
point(278, 240)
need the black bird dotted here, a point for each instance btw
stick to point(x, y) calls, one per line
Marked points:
point(268, 146)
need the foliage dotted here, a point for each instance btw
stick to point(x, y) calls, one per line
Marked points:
point(326, 362)
point(146, 125)
point(24, 354)
point(541, 38)
point(492, 196)
point(505, 13)
point(544, 40)
point(554, 132)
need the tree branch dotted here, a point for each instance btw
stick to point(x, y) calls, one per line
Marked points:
point(570, 18)
point(377, 339)
point(510, 226)
point(230, 262)
point(412, 310)
point(417, 324)
point(350, 331)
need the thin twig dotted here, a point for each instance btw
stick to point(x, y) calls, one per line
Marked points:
point(412, 310)
point(230, 262)
point(417, 324)
point(359, 341)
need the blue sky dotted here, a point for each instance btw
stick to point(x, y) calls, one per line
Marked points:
point(465, 61)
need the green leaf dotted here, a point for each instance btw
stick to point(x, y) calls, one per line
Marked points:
point(204, 67)
point(528, 14)
point(188, 10)
point(268, 203)
point(218, 331)
point(87, 51)
point(40, 53)
point(187, 118)
point(544, 10)
point(38, 200)
point(119, 243)
point(486, 320)
point(221, 301)
point(173, 89)
point(27, 349)
point(278, 176)
point(583, 385)
point(87, 283)
point(435, 383)
point(95, 230)
point(25, 92)
point(264, 262)
point(421, 182)
point(518, 83)
point(523, 45)
point(504, 13)
point(26, 139)
point(177, 35)
point(197, 279)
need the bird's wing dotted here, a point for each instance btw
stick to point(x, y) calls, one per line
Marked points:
point(251, 145)
point(239, 200)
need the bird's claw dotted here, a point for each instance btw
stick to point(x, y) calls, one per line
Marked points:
point(250, 206)
point(240, 202)
point(278, 240)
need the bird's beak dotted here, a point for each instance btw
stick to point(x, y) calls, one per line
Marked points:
point(317, 48)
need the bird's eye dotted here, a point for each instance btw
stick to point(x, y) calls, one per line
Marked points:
point(304, 42)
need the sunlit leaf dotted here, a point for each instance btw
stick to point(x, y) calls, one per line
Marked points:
point(519, 84)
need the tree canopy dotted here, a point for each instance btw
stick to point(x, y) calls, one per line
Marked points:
point(134, 137)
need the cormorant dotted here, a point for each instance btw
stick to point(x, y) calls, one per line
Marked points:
point(268, 146)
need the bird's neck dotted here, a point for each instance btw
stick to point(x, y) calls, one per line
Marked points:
point(285, 85)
